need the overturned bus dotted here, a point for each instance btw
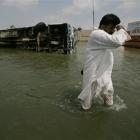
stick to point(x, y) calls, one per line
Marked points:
point(54, 37)
point(16, 36)
point(62, 37)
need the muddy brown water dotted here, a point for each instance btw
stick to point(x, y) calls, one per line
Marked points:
point(38, 97)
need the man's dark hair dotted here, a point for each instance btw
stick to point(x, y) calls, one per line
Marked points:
point(109, 19)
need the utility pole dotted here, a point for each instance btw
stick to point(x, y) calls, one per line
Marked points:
point(93, 12)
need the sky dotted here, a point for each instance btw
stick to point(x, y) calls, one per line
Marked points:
point(23, 13)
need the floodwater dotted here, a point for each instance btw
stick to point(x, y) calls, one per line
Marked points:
point(38, 97)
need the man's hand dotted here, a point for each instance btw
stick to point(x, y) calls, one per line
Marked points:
point(118, 27)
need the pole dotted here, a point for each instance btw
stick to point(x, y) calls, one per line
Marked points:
point(93, 12)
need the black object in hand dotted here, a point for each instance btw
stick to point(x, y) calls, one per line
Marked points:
point(82, 72)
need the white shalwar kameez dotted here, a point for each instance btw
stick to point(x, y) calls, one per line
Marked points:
point(98, 66)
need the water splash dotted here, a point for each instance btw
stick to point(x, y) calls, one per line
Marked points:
point(118, 104)
point(69, 103)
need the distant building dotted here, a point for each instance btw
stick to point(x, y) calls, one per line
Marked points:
point(134, 28)
point(134, 31)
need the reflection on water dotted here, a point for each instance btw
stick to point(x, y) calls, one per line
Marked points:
point(38, 97)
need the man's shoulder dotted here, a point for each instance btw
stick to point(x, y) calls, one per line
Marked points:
point(97, 32)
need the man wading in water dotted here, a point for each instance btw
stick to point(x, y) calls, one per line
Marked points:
point(98, 61)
